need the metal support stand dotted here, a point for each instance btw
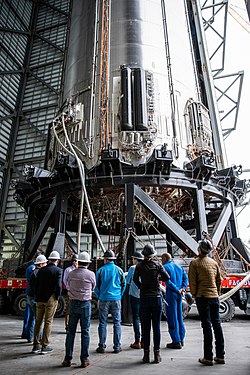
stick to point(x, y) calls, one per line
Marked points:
point(200, 217)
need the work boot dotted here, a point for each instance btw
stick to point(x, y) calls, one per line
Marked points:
point(145, 358)
point(220, 361)
point(206, 362)
point(135, 345)
point(157, 356)
point(174, 345)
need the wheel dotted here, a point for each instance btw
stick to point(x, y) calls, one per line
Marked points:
point(227, 310)
point(185, 308)
point(61, 307)
point(19, 304)
point(187, 302)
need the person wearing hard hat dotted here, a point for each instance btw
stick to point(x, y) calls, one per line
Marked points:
point(147, 276)
point(48, 290)
point(81, 285)
point(134, 297)
point(41, 261)
point(175, 288)
point(205, 283)
point(67, 270)
point(110, 287)
point(28, 316)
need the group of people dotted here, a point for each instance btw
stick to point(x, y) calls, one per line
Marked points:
point(144, 280)
point(204, 279)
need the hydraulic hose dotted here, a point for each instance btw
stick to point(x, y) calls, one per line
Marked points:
point(231, 292)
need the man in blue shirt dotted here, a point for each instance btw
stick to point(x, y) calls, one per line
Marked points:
point(134, 296)
point(110, 286)
point(175, 287)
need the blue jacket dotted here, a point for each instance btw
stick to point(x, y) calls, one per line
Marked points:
point(178, 278)
point(110, 283)
point(29, 271)
point(133, 289)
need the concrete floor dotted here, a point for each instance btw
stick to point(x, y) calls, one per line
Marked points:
point(16, 357)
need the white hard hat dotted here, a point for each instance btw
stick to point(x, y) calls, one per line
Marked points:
point(109, 254)
point(41, 259)
point(84, 257)
point(54, 255)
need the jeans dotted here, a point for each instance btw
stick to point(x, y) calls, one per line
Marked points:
point(135, 307)
point(113, 307)
point(208, 309)
point(31, 319)
point(66, 319)
point(176, 326)
point(78, 310)
point(44, 311)
point(151, 309)
point(25, 319)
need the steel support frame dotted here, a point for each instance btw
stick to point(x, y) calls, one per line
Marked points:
point(200, 213)
point(216, 7)
point(209, 85)
point(129, 210)
point(166, 220)
point(222, 223)
point(32, 243)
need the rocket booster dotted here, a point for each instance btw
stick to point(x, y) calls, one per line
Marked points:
point(131, 83)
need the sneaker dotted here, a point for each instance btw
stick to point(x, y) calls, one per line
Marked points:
point(85, 364)
point(206, 362)
point(66, 363)
point(174, 346)
point(36, 348)
point(116, 351)
point(100, 349)
point(220, 361)
point(135, 345)
point(46, 349)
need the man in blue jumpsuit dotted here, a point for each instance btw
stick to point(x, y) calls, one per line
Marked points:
point(175, 287)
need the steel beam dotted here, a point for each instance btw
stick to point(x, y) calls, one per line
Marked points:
point(166, 220)
point(222, 223)
point(36, 240)
point(129, 207)
point(200, 213)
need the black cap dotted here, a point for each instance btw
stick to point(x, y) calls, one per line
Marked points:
point(149, 251)
point(205, 246)
point(74, 257)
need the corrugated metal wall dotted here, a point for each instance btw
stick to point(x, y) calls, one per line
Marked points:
point(33, 38)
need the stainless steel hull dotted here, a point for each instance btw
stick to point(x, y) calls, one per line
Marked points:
point(130, 77)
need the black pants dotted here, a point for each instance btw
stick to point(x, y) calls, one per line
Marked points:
point(208, 309)
point(151, 309)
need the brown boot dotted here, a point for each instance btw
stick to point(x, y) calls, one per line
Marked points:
point(157, 356)
point(145, 358)
point(136, 345)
